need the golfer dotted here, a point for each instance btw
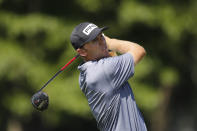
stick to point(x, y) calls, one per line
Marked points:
point(104, 79)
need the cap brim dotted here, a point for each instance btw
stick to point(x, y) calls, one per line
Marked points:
point(97, 33)
point(104, 28)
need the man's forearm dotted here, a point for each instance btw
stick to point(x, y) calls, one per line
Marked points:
point(122, 46)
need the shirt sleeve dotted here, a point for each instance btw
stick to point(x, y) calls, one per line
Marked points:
point(119, 69)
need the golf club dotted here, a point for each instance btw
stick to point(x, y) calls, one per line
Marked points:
point(40, 100)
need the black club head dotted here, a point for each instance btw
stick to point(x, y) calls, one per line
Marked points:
point(40, 101)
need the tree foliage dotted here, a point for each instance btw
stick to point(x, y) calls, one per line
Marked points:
point(35, 43)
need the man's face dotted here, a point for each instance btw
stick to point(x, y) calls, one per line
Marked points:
point(96, 49)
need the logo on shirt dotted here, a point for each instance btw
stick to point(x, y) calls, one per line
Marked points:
point(89, 28)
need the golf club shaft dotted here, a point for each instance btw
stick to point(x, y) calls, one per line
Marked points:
point(59, 72)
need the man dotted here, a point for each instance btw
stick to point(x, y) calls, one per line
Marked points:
point(104, 79)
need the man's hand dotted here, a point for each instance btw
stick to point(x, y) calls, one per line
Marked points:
point(112, 53)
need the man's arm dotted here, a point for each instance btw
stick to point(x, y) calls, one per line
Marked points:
point(122, 46)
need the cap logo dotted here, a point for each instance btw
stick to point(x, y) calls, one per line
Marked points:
point(89, 28)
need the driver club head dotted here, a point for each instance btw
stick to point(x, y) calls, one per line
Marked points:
point(40, 101)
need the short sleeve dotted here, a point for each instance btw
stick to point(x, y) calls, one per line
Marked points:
point(119, 69)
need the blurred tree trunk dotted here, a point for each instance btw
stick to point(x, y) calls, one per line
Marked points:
point(161, 117)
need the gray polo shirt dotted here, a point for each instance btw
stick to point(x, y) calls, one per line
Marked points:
point(110, 97)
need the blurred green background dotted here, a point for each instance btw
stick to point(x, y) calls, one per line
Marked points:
point(35, 44)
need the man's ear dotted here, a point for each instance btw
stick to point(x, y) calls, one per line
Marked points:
point(81, 52)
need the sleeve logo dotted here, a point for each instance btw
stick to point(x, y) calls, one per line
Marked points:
point(89, 28)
